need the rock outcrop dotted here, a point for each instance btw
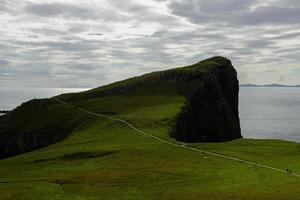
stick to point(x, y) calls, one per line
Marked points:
point(211, 88)
point(211, 112)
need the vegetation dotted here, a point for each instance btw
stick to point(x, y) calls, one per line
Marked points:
point(36, 124)
point(153, 78)
point(105, 159)
point(110, 161)
point(210, 88)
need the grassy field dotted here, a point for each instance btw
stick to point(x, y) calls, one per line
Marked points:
point(105, 159)
point(108, 160)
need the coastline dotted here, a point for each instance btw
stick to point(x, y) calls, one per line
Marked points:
point(254, 124)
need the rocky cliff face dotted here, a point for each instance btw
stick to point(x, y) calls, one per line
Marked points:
point(211, 112)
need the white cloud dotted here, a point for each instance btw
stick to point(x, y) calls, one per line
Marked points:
point(89, 43)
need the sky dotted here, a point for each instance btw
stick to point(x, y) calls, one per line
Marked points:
point(47, 43)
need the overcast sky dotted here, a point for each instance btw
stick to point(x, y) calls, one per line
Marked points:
point(93, 42)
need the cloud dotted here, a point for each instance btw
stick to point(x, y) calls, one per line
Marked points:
point(95, 42)
point(218, 11)
point(60, 10)
point(4, 62)
point(236, 12)
point(271, 14)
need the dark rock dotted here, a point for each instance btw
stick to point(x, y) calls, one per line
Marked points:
point(211, 112)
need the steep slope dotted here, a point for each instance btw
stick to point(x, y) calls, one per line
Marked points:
point(36, 124)
point(210, 113)
point(194, 103)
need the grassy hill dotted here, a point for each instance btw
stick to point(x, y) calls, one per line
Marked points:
point(99, 158)
point(194, 103)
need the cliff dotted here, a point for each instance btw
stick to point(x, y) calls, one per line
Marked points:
point(197, 103)
point(211, 111)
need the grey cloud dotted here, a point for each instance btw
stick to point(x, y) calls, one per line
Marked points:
point(70, 46)
point(259, 44)
point(67, 46)
point(217, 6)
point(290, 3)
point(48, 32)
point(271, 15)
point(29, 72)
point(4, 62)
point(94, 45)
point(199, 11)
point(180, 36)
point(235, 12)
point(4, 6)
point(139, 13)
point(287, 35)
point(60, 10)
point(127, 6)
point(84, 67)
point(95, 34)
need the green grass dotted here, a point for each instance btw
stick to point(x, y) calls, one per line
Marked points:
point(205, 66)
point(104, 159)
point(108, 160)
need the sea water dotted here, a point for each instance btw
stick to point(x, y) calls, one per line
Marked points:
point(270, 113)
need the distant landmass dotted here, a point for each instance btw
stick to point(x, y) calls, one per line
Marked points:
point(267, 85)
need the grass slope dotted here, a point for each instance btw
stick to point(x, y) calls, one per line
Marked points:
point(38, 123)
point(103, 159)
point(205, 66)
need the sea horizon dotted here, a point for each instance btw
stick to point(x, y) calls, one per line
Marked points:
point(265, 113)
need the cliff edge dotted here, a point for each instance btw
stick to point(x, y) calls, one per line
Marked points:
point(211, 111)
point(197, 103)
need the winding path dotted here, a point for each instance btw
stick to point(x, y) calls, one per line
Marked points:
point(183, 146)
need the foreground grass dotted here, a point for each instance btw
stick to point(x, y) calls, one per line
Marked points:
point(104, 159)
point(108, 160)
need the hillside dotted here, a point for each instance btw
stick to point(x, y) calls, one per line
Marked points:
point(200, 101)
point(101, 158)
point(210, 87)
point(36, 124)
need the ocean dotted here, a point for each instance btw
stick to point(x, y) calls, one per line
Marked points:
point(270, 113)
point(265, 113)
